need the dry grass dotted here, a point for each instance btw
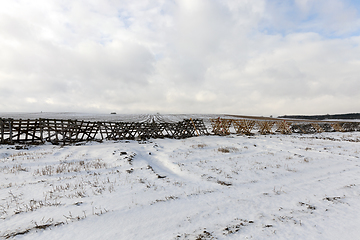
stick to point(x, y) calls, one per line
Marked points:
point(68, 167)
point(14, 169)
point(200, 145)
point(227, 149)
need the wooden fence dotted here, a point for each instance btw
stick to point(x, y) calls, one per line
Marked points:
point(58, 131)
point(221, 126)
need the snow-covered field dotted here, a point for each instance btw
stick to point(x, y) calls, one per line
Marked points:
point(106, 117)
point(210, 187)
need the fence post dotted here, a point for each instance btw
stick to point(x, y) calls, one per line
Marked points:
point(41, 126)
point(194, 126)
point(10, 129)
point(2, 130)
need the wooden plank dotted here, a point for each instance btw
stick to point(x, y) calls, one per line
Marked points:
point(317, 127)
point(199, 123)
point(93, 131)
point(69, 131)
point(18, 128)
point(101, 127)
point(27, 129)
point(283, 127)
point(2, 131)
point(326, 127)
point(47, 127)
point(221, 126)
point(350, 126)
point(197, 132)
point(168, 129)
point(243, 126)
point(265, 126)
point(337, 127)
point(11, 132)
point(42, 130)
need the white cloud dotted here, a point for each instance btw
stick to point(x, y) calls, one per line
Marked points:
point(249, 57)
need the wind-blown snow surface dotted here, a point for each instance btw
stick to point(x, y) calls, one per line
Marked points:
point(210, 187)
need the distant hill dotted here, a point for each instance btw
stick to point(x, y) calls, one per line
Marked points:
point(323, 117)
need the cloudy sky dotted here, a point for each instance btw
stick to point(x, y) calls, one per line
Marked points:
point(255, 57)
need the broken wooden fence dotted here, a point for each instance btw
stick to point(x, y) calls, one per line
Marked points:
point(222, 126)
point(59, 131)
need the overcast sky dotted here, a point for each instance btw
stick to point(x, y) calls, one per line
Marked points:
point(254, 57)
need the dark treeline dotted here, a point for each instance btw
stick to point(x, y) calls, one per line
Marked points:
point(324, 117)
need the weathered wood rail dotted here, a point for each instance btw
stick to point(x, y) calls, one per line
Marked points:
point(59, 131)
point(221, 126)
